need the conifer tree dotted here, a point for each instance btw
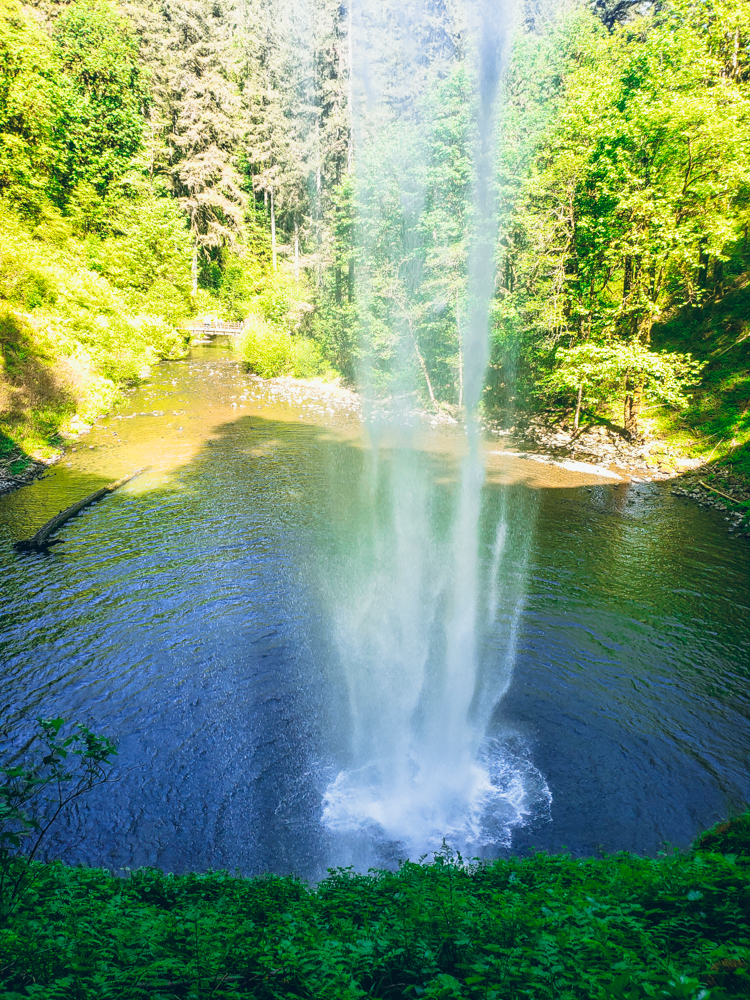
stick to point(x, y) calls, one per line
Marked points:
point(195, 117)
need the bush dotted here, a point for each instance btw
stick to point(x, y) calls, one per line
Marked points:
point(265, 350)
point(731, 837)
point(68, 337)
point(270, 352)
point(617, 927)
point(307, 358)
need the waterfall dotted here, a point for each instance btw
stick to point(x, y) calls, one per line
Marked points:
point(424, 612)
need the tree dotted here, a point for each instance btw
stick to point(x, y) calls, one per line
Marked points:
point(99, 126)
point(27, 94)
point(196, 113)
point(34, 794)
point(639, 177)
point(593, 372)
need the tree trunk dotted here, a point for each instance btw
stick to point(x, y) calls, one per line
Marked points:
point(577, 418)
point(632, 409)
point(42, 540)
point(273, 232)
point(194, 264)
point(350, 283)
point(425, 373)
point(702, 264)
point(296, 252)
point(460, 357)
point(350, 100)
point(338, 286)
point(627, 277)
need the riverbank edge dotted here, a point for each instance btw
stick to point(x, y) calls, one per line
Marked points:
point(653, 459)
point(600, 445)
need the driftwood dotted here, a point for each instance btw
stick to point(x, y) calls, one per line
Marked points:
point(711, 488)
point(42, 540)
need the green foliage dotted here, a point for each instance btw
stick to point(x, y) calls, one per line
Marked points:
point(627, 194)
point(264, 350)
point(269, 351)
point(99, 126)
point(717, 422)
point(38, 790)
point(729, 837)
point(27, 105)
point(602, 370)
point(538, 927)
point(69, 338)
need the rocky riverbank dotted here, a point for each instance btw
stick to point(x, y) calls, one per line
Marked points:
point(649, 460)
point(601, 445)
point(723, 493)
point(29, 471)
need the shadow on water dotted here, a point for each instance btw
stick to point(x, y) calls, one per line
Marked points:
point(633, 667)
point(187, 618)
point(176, 620)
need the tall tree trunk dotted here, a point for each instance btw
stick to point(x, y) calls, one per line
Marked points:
point(296, 251)
point(460, 357)
point(632, 409)
point(350, 283)
point(350, 100)
point(702, 264)
point(273, 232)
point(426, 374)
point(338, 285)
point(577, 418)
point(194, 262)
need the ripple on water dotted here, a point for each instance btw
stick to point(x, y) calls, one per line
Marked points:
point(186, 617)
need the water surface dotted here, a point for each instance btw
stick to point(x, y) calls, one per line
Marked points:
point(189, 617)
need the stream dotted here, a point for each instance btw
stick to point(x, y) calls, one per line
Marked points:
point(189, 617)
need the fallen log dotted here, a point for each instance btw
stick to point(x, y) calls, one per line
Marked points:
point(42, 540)
point(711, 488)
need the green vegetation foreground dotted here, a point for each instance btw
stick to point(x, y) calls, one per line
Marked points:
point(542, 926)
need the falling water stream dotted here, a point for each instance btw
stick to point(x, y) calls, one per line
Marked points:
point(409, 602)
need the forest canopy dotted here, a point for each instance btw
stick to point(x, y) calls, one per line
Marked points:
point(159, 161)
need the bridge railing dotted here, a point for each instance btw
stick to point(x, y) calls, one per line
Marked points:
point(217, 326)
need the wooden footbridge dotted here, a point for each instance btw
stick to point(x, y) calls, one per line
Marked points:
point(212, 328)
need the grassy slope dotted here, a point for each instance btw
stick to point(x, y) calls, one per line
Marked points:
point(68, 339)
point(717, 424)
point(538, 927)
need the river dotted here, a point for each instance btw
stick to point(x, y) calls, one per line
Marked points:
point(185, 616)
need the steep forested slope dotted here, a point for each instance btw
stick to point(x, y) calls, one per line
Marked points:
point(312, 169)
point(628, 207)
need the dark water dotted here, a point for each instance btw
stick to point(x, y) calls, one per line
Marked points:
point(181, 617)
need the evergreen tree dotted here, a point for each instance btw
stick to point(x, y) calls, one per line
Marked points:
point(197, 110)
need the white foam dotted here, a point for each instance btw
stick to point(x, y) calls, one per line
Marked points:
point(471, 806)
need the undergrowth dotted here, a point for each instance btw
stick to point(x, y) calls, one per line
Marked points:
point(274, 340)
point(716, 425)
point(619, 926)
point(69, 337)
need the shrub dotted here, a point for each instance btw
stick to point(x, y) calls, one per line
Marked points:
point(265, 350)
point(306, 358)
point(730, 837)
point(270, 352)
point(534, 928)
point(68, 337)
